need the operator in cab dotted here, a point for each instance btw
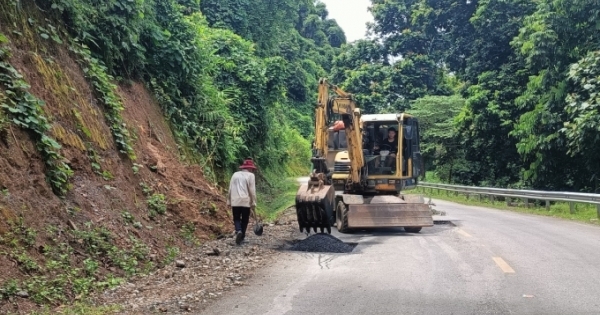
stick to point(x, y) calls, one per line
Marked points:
point(388, 144)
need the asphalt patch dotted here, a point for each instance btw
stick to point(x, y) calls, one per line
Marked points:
point(322, 243)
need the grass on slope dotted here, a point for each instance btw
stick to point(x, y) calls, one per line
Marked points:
point(275, 199)
point(583, 212)
point(80, 309)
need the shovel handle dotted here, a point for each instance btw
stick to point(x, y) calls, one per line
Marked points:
point(253, 210)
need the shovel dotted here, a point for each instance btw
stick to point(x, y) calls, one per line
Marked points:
point(258, 227)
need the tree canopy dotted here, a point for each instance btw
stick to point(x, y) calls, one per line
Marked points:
point(525, 73)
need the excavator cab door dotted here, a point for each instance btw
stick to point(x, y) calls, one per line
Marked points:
point(413, 149)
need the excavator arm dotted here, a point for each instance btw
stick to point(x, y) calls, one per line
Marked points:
point(314, 201)
point(345, 106)
point(321, 121)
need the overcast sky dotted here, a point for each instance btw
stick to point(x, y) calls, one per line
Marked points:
point(351, 15)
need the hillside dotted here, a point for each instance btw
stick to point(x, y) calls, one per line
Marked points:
point(120, 124)
point(117, 213)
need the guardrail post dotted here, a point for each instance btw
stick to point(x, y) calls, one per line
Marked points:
point(598, 210)
point(547, 205)
point(571, 207)
point(479, 197)
point(526, 202)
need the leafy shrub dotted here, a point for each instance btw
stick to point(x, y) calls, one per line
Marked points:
point(106, 94)
point(157, 204)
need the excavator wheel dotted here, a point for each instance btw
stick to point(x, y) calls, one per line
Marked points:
point(341, 217)
point(412, 229)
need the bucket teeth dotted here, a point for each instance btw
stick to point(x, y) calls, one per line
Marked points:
point(313, 217)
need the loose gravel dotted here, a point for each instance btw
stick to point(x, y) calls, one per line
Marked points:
point(322, 243)
point(201, 276)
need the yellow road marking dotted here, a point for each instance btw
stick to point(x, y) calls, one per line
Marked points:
point(503, 265)
point(463, 233)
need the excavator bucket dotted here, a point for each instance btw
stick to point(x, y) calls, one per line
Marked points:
point(386, 212)
point(314, 207)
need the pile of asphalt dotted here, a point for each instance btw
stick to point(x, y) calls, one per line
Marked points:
point(322, 243)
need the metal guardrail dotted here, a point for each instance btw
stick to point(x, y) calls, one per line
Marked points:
point(526, 195)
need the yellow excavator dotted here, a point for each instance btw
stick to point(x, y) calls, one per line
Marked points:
point(360, 168)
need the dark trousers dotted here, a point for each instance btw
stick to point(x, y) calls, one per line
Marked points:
point(241, 216)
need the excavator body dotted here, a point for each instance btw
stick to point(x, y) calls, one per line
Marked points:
point(359, 172)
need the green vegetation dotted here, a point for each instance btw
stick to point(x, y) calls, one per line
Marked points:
point(172, 253)
point(187, 232)
point(233, 83)
point(507, 89)
point(95, 71)
point(235, 78)
point(26, 112)
point(275, 198)
point(80, 308)
point(130, 219)
point(582, 212)
point(4, 121)
point(59, 278)
point(157, 204)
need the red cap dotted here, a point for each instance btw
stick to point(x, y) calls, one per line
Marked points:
point(248, 164)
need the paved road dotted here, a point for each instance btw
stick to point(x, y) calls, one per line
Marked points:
point(491, 262)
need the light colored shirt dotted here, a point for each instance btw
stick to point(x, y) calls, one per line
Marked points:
point(242, 190)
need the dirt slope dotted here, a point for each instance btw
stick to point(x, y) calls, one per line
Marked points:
point(108, 191)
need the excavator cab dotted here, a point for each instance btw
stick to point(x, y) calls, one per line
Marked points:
point(380, 153)
point(399, 161)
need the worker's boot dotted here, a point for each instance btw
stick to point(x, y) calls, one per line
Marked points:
point(239, 237)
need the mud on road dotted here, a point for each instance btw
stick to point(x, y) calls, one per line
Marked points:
point(201, 276)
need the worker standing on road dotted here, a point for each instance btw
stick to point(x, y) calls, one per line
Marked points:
point(242, 198)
